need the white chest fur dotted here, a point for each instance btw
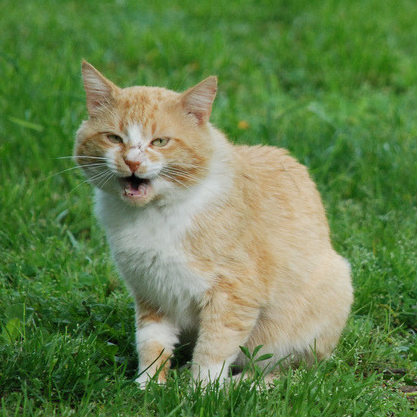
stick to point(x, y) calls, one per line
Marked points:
point(146, 245)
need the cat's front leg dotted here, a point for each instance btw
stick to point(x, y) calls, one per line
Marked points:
point(226, 322)
point(155, 340)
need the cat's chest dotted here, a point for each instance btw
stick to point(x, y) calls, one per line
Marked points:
point(146, 245)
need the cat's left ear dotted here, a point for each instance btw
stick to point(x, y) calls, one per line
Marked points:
point(198, 100)
point(100, 91)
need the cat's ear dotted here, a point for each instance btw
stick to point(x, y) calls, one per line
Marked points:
point(198, 100)
point(98, 89)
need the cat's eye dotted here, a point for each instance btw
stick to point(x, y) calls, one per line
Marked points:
point(115, 138)
point(160, 142)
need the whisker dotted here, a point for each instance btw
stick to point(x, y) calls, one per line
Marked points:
point(93, 164)
point(81, 157)
point(190, 165)
point(60, 172)
point(174, 176)
point(99, 176)
point(68, 169)
point(78, 185)
point(177, 170)
point(183, 177)
point(106, 179)
point(174, 179)
point(181, 174)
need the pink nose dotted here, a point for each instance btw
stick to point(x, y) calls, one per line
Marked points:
point(133, 165)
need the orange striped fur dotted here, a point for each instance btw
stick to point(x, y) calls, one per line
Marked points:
point(230, 242)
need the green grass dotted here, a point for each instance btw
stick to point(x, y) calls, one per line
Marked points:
point(333, 81)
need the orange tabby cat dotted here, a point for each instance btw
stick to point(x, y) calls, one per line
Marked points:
point(229, 242)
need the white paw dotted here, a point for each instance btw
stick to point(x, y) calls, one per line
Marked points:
point(143, 379)
point(207, 374)
point(267, 381)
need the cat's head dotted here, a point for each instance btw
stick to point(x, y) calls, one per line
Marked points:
point(144, 143)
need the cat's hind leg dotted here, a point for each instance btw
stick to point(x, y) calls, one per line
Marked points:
point(306, 324)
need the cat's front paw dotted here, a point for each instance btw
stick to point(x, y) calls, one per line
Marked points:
point(208, 374)
point(144, 378)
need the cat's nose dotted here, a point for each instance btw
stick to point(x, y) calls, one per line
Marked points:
point(133, 165)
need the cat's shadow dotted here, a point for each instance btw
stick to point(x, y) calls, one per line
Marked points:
point(183, 353)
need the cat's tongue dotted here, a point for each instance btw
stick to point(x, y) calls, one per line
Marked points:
point(135, 187)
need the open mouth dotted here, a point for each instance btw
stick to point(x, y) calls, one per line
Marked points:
point(134, 187)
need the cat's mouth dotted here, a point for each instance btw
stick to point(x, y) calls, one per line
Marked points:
point(134, 187)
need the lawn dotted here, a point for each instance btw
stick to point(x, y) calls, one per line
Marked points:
point(333, 81)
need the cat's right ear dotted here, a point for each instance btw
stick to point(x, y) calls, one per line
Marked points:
point(100, 92)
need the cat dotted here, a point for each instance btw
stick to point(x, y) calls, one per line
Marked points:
point(227, 242)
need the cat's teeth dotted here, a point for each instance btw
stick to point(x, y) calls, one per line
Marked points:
point(135, 190)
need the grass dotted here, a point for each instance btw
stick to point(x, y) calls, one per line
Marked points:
point(332, 81)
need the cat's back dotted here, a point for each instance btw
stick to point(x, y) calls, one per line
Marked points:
point(273, 175)
point(269, 164)
point(280, 196)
